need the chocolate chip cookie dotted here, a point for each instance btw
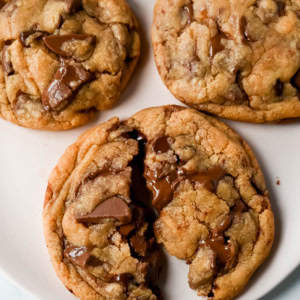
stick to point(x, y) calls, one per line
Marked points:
point(211, 206)
point(62, 60)
point(236, 59)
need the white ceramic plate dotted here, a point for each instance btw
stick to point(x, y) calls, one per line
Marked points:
point(27, 157)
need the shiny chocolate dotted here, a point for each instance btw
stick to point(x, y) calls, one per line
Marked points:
point(114, 207)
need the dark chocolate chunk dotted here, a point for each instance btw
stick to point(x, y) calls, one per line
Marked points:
point(279, 87)
point(67, 80)
point(161, 145)
point(139, 245)
point(2, 3)
point(216, 45)
point(298, 13)
point(125, 230)
point(73, 5)
point(114, 207)
point(6, 61)
point(190, 12)
point(79, 255)
point(296, 80)
point(26, 37)
point(55, 42)
point(123, 279)
point(281, 8)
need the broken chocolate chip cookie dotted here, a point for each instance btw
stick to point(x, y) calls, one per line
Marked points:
point(168, 175)
point(68, 58)
point(235, 59)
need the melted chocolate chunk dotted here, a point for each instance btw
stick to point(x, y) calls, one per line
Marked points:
point(139, 245)
point(6, 61)
point(114, 207)
point(66, 82)
point(190, 12)
point(79, 255)
point(26, 37)
point(243, 28)
point(125, 230)
point(209, 179)
point(55, 42)
point(124, 279)
point(218, 243)
point(216, 45)
point(239, 208)
point(279, 87)
point(298, 13)
point(161, 145)
point(163, 185)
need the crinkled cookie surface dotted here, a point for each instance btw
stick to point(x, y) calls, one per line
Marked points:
point(204, 182)
point(238, 59)
point(62, 60)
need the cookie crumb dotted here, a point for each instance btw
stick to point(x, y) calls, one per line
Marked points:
point(278, 181)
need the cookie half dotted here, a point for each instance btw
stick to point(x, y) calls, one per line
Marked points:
point(236, 59)
point(61, 61)
point(212, 206)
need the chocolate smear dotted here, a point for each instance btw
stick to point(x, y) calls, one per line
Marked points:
point(79, 255)
point(6, 61)
point(55, 42)
point(114, 207)
point(161, 145)
point(66, 82)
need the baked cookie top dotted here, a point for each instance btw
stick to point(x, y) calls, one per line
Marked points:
point(203, 180)
point(237, 59)
point(62, 60)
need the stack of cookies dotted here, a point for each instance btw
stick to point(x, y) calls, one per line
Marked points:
point(169, 175)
